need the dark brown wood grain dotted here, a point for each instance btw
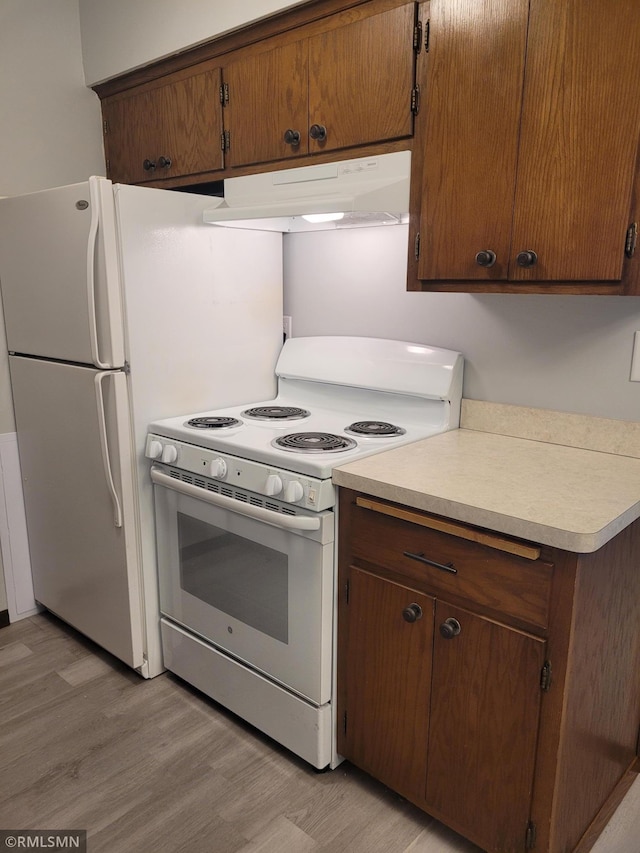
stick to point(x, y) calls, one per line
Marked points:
point(179, 119)
point(502, 582)
point(602, 695)
point(502, 751)
point(485, 704)
point(387, 675)
point(578, 142)
point(267, 96)
point(352, 72)
point(530, 138)
point(360, 80)
point(472, 112)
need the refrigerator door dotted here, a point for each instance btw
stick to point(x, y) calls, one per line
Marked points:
point(59, 274)
point(75, 455)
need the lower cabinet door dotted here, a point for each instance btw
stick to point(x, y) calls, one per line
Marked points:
point(485, 708)
point(386, 681)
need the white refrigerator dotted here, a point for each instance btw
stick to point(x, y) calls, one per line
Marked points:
point(121, 307)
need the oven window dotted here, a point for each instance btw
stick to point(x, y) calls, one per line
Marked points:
point(239, 577)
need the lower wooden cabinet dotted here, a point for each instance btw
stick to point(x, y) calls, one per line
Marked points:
point(386, 713)
point(485, 711)
point(463, 681)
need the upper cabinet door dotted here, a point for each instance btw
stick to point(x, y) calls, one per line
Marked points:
point(191, 121)
point(347, 83)
point(266, 114)
point(361, 78)
point(579, 139)
point(131, 129)
point(530, 138)
point(167, 130)
point(472, 112)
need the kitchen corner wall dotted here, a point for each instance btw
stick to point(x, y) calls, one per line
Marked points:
point(51, 123)
point(567, 353)
point(119, 35)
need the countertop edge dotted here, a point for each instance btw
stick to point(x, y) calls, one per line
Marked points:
point(575, 542)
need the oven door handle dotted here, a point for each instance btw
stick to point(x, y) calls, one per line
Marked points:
point(277, 519)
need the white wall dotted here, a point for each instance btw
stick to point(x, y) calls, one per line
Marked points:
point(120, 35)
point(50, 122)
point(568, 353)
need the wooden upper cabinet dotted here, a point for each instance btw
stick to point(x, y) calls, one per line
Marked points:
point(165, 130)
point(346, 85)
point(530, 140)
point(472, 109)
point(361, 78)
point(130, 133)
point(579, 139)
point(267, 96)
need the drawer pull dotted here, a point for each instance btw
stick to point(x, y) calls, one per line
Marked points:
point(422, 559)
point(450, 628)
point(412, 613)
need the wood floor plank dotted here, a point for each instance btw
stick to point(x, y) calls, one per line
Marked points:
point(85, 743)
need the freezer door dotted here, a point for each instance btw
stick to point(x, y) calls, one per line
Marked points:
point(75, 455)
point(59, 274)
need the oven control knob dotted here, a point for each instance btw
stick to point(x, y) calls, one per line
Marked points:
point(218, 468)
point(169, 454)
point(273, 486)
point(154, 450)
point(293, 491)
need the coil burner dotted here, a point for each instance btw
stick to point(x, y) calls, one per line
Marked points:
point(377, 429)
point(314, 442)
point(275, 413)
point(217, 422)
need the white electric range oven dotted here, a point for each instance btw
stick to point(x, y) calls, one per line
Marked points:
point(246, 523)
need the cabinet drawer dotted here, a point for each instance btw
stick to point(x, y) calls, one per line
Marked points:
point(449, 565)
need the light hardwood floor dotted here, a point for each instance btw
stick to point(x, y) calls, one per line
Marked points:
point(155, 767)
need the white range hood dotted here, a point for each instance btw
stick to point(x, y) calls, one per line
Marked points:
point(366, 191)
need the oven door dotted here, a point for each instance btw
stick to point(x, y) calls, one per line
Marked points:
point(256, 583)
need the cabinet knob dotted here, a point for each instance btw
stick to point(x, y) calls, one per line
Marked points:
point(318, 132)
point(148, 165)
point(292, 137)
point(164, 162)
point(450, 628)
point(412, 613)
point(486, 258)
point(527, 259)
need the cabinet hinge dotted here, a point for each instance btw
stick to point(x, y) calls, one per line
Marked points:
point(417, 37)
point(225, 140)
point(346, 592)
point(416, 246)
point(530, 836)
point(224, 94)
point(427, 33)
point(631, 240)
point(545, 676)
point(415, 100)
point(344, 722)
point(105, 127)
point(108, 165)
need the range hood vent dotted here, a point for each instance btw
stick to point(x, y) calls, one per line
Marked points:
point(367, 191)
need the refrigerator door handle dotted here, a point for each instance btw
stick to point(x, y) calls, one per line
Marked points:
point(91, 283)
point(104, 445)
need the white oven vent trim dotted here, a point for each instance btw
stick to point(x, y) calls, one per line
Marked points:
point(236, 494)
point(362, 192)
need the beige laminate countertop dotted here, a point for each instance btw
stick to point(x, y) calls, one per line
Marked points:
point(563, 496)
